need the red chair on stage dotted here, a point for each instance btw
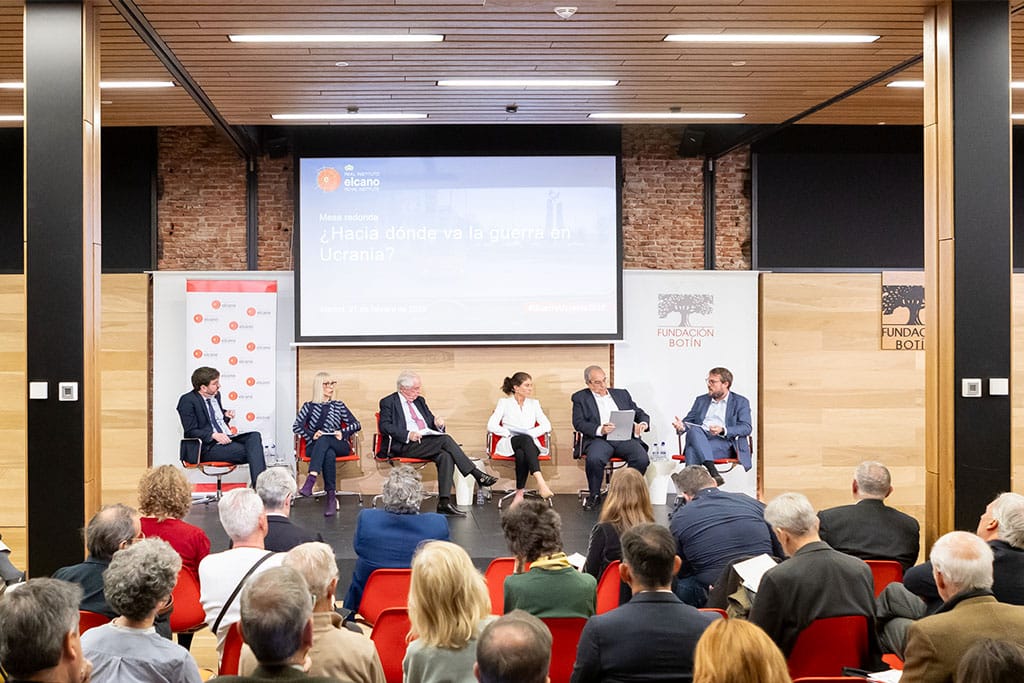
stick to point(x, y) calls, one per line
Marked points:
point(565, 637)
point(353, 456)
point(389, 637)
point(385, 588)
point(608, 588)
point(491, 448)
point(828, 645)
point(232, 653)
point(609, 469)
point(189, 452)
point(885, 572)
point(723, 465)
point(88, 620)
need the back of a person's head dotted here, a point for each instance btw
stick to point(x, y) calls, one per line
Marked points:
point(628, 502)
point(140, 577)
point(873, 479)
point(792, 512)
point(514, 649)
point(164, 491)
point(692, 478)
point(532, 529)
point(1008, 511)
point(276, 486)
point(650, 552)
point(964, 560)
point(737, 651)
point(275, 608)
point(991, 661)
point(34, 621)
point(402, 491)
point(317, 564)
point(108, 529)
point(447, 596)
point(240, 511)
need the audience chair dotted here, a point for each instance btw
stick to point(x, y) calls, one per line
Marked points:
point(232, 651)
point(716, 610)
point(723, 465)
point(609, 469)
point(497, 571)
point(189, 453)
point(885, 572)
point(565, 638)
point(300, 453)
point(608, 588)
point(385, 588)
point(389, 637)
point(88, 620)
point(188, 615)
point(828, 645)
point(490, 446)
point(381, 445)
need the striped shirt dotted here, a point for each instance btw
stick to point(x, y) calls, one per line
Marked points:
point(329, 417)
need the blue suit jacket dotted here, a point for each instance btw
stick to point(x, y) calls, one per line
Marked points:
point(586, 418)
point(737, 422)
point(392, 421)
point(195, 420)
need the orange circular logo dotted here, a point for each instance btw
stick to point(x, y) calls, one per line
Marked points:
point(250, 381)
point(233, 395)
point(250, 311)
point(234, 430)
point(215, 304)
point(198, 353)
point(250, 346)
point(215, 339)
point(250, 416)
point(328, 179)
point(233, 360)
point(233, 325)
point(198, 317)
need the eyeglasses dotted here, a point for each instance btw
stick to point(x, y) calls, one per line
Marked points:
point(712, 380)
point(598, 382)
point(330, 383)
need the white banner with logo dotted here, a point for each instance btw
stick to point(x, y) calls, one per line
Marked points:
point(232, 326)
point(678, 325)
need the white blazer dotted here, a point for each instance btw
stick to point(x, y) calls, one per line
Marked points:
point(509, 413)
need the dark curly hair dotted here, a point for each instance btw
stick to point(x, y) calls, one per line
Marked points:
point(532, 529)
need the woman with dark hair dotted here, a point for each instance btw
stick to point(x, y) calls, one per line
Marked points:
point(520, 422)
point(552, 587)
point(991, 661)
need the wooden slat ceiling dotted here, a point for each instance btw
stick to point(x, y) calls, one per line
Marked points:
point(619, 39)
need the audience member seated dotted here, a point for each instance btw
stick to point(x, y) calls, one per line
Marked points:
point(165, 498)
point(712, 528)
point(276, 488)
point(962, 567)
point(39, 633)
point(815, 582)
point(652, 637)
point(9, 574)
point(516, 648)
point(409, 429)
point(736, 651)
point(717, 426)
point(138, 584)
point(869, 529)
point(336, 651)
point(591, 417)
point(327, 425)
point(991, 661)
point(628, 504)
point(519, 421)
point(277, 624)
point(221, 575)
point(388, 538)
point(448, 606)
point(552, 587)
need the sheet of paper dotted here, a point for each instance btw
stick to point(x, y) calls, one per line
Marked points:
point(890, 676)
point(753, 569)
point(577, 560)
point(430, 432)
point(517, 430)
point(693, 425)
point(623, 421)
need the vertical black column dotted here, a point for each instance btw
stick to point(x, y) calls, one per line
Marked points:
point(58, 275)
point(982, 249)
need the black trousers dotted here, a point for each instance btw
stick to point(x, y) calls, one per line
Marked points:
point(445, 453)
point(600, 451)
point(526, 453)
point(322, 454)
point(245, 448)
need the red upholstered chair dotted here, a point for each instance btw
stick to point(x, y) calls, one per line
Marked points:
point(723, 465)
point(608, 588)
point(492, 444)
point(385, 588)
point(497, 571)
point(300, 453)
point(609, 469)
point(189, 452)
point(232, 651)
point(885, 572)
point(828, 645)
point(88, 620)
point(715, 610)
point(565, 637)
point(388, 636)
point(188, 615)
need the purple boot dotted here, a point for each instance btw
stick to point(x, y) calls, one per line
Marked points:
point(331, 504)
point(307, 489)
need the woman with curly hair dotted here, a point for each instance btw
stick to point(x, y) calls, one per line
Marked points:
point(449, 607)
point(165, 497)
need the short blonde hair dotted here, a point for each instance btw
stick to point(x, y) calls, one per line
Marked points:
point(318, 386)
point(447, 597)
point(737, 651)
point(165, 492)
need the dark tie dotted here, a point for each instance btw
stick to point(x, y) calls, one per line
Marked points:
point(213, 416)
point(420, 424)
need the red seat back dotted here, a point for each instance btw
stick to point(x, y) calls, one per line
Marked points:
point(385, 588)
point(232, 651)
point(188, 614)
point(827, 645)
point(565, 637)
point(497, 571)
point(721, 612)
point(885, 572)
point(389, 637)
point(88, 620)
point(608, 588)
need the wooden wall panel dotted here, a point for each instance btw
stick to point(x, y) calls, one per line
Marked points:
point(462, 385)
point(12, 408)
point(1017, 386)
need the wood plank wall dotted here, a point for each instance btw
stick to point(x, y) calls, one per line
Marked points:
point(13, 413)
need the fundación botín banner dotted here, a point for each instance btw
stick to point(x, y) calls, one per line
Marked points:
point(903, 310)
point(232, 326)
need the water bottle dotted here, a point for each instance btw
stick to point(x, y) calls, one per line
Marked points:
point(662, 452)
point(481, 495)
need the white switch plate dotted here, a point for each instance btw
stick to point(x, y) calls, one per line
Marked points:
point(971, 388)
point(38, 391)
point(998, 386)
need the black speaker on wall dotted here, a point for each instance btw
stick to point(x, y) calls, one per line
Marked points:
point(276, 148)
point(692, 144)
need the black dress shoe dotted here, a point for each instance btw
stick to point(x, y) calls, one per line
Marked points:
point(589, 503)
point(485, 479)
point(446, 508)
point(719, 479)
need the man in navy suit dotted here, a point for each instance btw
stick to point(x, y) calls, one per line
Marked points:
point(203, 417)
point(410, 430)
point(717, 425)
point(591, 417)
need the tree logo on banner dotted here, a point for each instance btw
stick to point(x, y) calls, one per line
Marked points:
point(903, 311)
point(687, 333)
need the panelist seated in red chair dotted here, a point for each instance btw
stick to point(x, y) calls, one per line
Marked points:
point(327, 425)
point(717, 425)
point(204, 418)
point(591, 417)
point(409, 429)
point(520, 422)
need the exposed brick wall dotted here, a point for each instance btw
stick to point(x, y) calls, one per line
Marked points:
point(202, 204)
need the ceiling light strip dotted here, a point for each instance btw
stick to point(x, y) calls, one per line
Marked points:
point(769, 38)
point(336, 38)
point(663, 116)
point(528, 82)
point(345, 116)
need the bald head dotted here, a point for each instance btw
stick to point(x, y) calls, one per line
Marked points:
point(514, 649)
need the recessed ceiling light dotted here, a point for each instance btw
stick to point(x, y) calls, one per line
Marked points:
point(528, 82)
point(739, 63)
point(346, 116)
point(11, 117)
point(905, 84)
point(106, 101)
point(336, 38)
point(341, 64)
point(769, 38)
point(654, 115)
point(136, 84)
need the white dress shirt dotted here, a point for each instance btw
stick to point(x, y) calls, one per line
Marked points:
point(525, 419)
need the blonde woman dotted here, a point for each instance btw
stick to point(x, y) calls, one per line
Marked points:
point(448, 607)
point(326, 424)
point(737, 651)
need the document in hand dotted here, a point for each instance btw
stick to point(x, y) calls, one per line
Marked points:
point(623, 421)
point(430, 432)
point(753, 569)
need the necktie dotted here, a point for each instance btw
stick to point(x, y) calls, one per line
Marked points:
point(420, 424)
point(213, 417)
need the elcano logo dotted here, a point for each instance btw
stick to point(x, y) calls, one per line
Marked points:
point(328, 179)
point(693, 323)
point(360, 181)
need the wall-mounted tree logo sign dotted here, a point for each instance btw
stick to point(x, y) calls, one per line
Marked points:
point(685, 305)
point(693, 324)
point(903, 307)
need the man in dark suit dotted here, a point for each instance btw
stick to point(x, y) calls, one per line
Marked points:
point(591, 417)
point(651, 637)
point(203, 417)
point(717, 425)
point(815, 582)
point(409, 429)
point(869, 529)
point(276, 487)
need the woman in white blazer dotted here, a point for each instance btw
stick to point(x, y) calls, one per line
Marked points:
point(519, 421)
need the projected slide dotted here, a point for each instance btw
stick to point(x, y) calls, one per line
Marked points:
point(450, 248)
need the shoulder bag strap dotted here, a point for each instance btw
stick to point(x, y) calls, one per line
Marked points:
point(238, 588)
